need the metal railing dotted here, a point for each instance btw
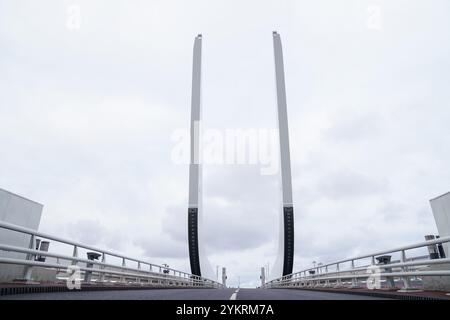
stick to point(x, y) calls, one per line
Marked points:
point(396, 274)
point(94, 271)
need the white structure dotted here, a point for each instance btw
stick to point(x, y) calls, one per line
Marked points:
point(19, 211)
point(262, 277)
point(441, 211)
point(199, 262)
point(224, 277)
point(285, 259)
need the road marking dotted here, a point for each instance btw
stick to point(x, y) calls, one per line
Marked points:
point(234, 295)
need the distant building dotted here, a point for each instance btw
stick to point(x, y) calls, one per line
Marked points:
point(23, 212)
point(441, 211)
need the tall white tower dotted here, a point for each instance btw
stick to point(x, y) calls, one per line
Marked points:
point(285, 260)
point(199, 263)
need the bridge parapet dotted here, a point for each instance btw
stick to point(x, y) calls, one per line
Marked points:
point(111, 268)
point(405, 274)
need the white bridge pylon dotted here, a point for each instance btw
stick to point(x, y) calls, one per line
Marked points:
point(285, 260)
point(198, 260)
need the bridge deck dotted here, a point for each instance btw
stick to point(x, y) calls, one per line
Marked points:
point(90, 291)
point(190, 294)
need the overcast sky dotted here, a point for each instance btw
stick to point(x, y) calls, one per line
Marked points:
point(88, 109)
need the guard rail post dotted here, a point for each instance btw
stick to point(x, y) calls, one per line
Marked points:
point(28, 270)
point(405, 279)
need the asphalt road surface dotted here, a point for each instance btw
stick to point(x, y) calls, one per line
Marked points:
point(191, 294)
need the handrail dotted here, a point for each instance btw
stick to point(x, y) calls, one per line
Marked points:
point(388, 274)
point(71, 258)
point(17, 228)
point(63, 267)
point(408, 247)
